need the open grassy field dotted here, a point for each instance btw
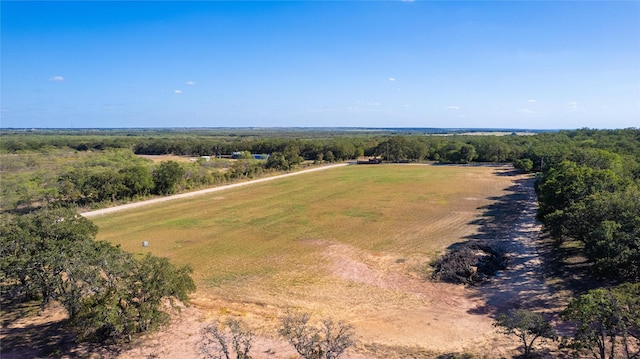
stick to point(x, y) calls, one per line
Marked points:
point(349, 242)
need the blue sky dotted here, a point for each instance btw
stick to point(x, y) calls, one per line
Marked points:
point(503, 64)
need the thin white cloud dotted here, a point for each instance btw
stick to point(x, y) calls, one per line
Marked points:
point(572, 105)
point(392, 79)
point(453, 108)
point(532, 101)
point(190, 83)
point(56, 78)
point(324, 109)
point(177, 91)
point(525, 111)
point(373, 104)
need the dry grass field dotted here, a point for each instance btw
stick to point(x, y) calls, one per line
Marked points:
point(352, 243)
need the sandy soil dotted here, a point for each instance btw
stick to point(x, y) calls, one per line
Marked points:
point(523, 284)
point(440, 318)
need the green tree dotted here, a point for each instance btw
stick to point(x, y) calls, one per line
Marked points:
point(245, 168)
point(395, 149)
point(36, 248)
point(106, 185)
point(564, 186)
point(70, 187)
point(167, 176)
point(492, 149)
point(598, 159)
point(606, 319)
point(523, 164)
point(292, 155)
point(528, 326)
point(467, 153)
point(52, 255)
point(277, 161)
point(137, 179)
point(608, 223)
point(129, 295)
point(329, 156)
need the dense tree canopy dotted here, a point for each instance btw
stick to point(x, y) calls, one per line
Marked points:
point(598, 204)
point(109, 294)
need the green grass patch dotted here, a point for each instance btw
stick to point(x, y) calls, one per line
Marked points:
point(359, 213)
point(183, 223)
point(270, 237)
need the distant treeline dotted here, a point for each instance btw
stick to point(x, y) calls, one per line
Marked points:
point(334, 145)
point(98, 166)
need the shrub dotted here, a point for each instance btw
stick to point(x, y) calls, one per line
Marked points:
point(328, 340)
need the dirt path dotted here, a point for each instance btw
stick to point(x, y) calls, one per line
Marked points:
point(204, 191)
point(523, 284)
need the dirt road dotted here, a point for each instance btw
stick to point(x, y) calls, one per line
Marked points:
point(523, 284)
point(205, 191)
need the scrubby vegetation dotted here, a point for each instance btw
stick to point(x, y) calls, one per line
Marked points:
point(225, 340)
point(326, 340)
point(232, 338)
point(527, 326)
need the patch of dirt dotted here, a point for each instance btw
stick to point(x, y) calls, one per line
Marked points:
point(436, 316)
point(27, 335)
point(523, 284)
